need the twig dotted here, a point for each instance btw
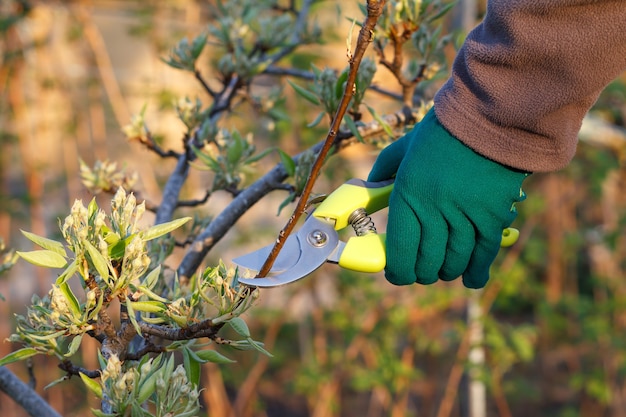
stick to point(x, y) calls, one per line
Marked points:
point(399, 36)
point(72, 370)
point(203, 329)
point(202, 81)
point(197, 202)
point(151, 145)
point(148, 348)
point(27, 398)
point(374, 10)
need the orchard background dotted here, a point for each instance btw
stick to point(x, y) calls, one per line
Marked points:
point(100, 94)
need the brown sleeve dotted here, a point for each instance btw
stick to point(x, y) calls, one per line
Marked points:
point(525, 77)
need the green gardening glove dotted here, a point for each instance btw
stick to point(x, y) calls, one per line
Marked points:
point(448, 207)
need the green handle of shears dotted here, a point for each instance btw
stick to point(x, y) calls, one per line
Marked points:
point(366, 253)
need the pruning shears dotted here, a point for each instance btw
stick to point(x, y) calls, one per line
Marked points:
point(317, 241)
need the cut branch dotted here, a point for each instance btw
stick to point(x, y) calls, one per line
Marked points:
point(374, 10)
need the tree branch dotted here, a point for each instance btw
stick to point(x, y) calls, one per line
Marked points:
point(23, 395)
point(202, 329)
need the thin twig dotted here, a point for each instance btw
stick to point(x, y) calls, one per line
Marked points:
point(149, 142)
point(197, 202)
point(205, 85)
point(72, 370)
point(148, 348)
point(374, 10)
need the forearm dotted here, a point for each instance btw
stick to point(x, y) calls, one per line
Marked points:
point(528, 74)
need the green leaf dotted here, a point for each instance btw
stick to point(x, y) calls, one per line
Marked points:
point(168, 368)
point(240, 326)
point(147, 388)
point(259, 347)
point(131, 316)
point(110, 237)
point(286, 202)
point(308, 95)
point(288, 162)
point(209, 355)
point(206, 159)
point(198, 44)
point(67, 274)
point(92, 385)
point(317, 120)
point(148, 306)
point(92, 210)
point(48, 336)
point(95, 310)
point(18, 355)
point(74, 345)
point(151, 294)
point(258, 157)
point(45, 258)
point(445, 9)
point(163, 228)
point(45, 243)
point(152, 278)
point(71, 298)
point(353, 128)
point(235, 148)
point(55, 382)
point(192, 366)
point(117, 249)
point(339, 85)
point(98, 260)
point(379, 119)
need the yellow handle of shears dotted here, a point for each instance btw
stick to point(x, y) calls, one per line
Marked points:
point(366, 253)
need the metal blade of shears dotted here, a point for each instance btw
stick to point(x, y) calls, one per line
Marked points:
point(287, 258)
point(302, 254)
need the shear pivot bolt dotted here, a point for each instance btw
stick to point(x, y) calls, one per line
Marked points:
point(318, 238)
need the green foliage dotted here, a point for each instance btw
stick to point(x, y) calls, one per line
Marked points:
point(109, 255)
point(157, 382)
point(230, 157)
point(417, 21)
point(184, 55)
point(328, 88)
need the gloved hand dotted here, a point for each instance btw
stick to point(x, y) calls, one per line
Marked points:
point(448, 207)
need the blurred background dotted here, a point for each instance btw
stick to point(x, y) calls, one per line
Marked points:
point(552, 343)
